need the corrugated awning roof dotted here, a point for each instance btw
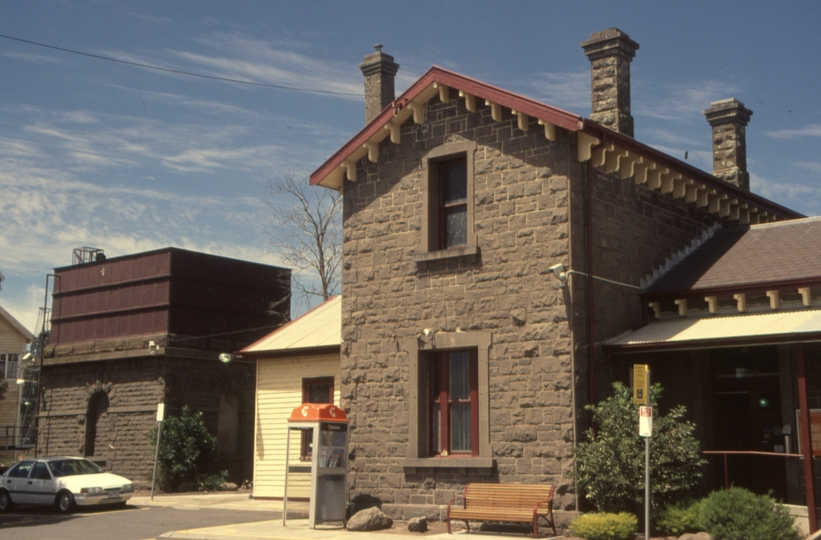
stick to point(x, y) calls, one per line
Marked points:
point(707, 332)
point(320, 327)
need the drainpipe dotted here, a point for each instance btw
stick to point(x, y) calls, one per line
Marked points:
point(591, 396)
point(804, 430)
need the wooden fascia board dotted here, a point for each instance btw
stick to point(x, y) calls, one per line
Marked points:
point(716, 343)
point(686, 170)
point(436, 74)
point(748, 288)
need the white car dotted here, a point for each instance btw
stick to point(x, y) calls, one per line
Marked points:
point(62, 482)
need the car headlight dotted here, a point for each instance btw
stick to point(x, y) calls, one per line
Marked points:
point(128, 487)
point(91, 490)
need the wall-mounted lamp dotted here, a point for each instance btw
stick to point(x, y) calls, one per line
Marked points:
point(558, 270)
point(153, 348)
point(228, 357)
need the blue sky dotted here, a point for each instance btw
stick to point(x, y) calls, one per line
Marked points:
point(102, 154)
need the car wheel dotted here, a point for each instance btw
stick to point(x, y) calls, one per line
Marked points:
point(5, 501)
point(65, 502)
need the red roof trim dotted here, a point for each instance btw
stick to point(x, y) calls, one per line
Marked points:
point(544, 112)
point(459, 82)
point(666, 160)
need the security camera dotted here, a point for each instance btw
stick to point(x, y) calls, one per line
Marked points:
point(556, 269)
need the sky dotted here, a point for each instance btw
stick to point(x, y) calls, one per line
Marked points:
point(126, 159)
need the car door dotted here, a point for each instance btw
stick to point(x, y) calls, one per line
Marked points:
point(40, 484)
point(17, 482)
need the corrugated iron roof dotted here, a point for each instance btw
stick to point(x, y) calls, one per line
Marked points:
point(320, 327)
point(780, 252)
point(14, 323)
point(694, 333)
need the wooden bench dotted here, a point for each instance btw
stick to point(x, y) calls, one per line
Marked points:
point(518, 503)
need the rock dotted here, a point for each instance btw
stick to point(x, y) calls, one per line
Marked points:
point(370, 519)
point(418, 524)
point(228, 486)
point(695, 536)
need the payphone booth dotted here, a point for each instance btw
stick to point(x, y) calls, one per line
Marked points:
point(318, 435)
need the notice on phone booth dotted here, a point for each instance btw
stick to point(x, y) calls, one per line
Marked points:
point(646, 421)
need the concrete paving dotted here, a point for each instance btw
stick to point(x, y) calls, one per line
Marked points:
point(296, 529)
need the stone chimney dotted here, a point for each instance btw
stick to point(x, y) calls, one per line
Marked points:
point(729, 118)
point(379, 70)
point(610, 53)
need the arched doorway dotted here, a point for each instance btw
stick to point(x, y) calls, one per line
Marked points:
point(97, 432)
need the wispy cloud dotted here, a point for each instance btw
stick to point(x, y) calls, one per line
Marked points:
point(811, 130)
point(678, 102)
point(569, 90)
point(790, 194)
point(812, 166)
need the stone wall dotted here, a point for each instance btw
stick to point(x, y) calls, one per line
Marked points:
point(133, 388)
point(521, 223)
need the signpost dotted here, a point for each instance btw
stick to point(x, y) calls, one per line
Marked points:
point(641, 393)
point(160, 417)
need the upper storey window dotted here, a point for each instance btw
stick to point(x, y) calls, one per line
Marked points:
point(448, 228)
point(453, 203)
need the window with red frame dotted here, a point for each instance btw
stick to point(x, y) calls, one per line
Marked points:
point(314, 390)
point(454, 403)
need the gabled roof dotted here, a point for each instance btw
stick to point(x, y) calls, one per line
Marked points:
point(780, 253)
point(606, 149)
point(14, 323)
point(319, 328)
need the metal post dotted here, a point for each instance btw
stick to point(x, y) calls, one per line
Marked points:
point(156, 456)
point(647, 488)
point(806, 438)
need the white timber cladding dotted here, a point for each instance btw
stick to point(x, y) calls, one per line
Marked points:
point(12, 341)
point(279, 391)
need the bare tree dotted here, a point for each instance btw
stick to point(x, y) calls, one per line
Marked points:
point(308, 236)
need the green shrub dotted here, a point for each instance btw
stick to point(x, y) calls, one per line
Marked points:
point(188, 452)
point(610, 463)
point(211, 482)
point(739, 514)
point(679, 518)
point(605, 526)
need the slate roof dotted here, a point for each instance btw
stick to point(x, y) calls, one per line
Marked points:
point(754, 256)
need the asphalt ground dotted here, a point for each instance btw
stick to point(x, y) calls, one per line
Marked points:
point(296, 527)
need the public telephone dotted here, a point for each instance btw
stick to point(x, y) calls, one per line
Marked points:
point(328, 426)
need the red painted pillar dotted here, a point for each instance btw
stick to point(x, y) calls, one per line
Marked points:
point(804, 429)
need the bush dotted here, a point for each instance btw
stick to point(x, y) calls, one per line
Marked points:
point(610, 464)
point(679, 518)
point(188, 452)
point(739, 514)
point(605, 526)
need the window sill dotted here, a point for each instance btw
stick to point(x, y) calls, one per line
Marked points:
point(471, 253)
point(412, 464)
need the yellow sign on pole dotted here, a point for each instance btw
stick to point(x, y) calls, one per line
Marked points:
point(641, 383)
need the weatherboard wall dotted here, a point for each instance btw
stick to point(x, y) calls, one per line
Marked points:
point(279, 391)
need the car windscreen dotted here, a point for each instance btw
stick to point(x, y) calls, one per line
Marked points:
point(72, 467)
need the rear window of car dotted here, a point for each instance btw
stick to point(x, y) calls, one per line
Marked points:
point(72, 467)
